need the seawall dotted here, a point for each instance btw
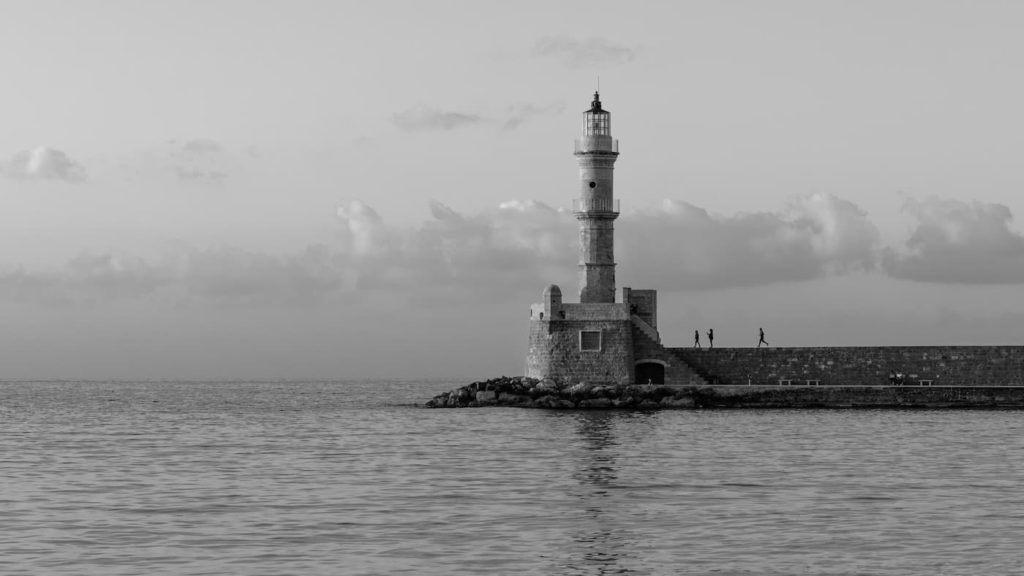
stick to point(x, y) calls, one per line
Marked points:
point(860, 366)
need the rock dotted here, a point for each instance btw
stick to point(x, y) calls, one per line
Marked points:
point(547, 401)
point(507, 399)
point(554, 384)
point(579, 389)
point(595, 403)
point(486, 397)
point(550, 401)
point(622, 401)
point(672, 402)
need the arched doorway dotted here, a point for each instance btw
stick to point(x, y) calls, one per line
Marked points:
point(649, 373)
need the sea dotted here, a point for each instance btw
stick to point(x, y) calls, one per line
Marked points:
point(357, 478)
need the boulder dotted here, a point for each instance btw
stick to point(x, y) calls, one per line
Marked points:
point(507, 399)
point(550, 401)
point(673, 402)
point(595, 403)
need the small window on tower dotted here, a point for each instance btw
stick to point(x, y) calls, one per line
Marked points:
point(593, 184)
point(590, 340)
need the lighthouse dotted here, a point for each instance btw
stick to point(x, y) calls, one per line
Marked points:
point(599, 339)
point(596, 208)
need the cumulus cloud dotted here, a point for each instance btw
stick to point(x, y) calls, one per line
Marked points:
point(432, 120)
point(42, 163)
point(574, 53)
point(502, 253)
point(959, 242)
point(461, 255)
point(682, 246)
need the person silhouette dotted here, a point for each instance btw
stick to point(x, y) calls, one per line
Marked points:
point(761, 339)
point(696, 338)
point(711, 338)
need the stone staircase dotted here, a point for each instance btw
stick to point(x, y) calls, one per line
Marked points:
point(646, 329)
point(701, 370)
point(647, 345)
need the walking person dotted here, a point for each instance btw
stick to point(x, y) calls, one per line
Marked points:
point(696, 338)
point(711, 338)
point(761, 339)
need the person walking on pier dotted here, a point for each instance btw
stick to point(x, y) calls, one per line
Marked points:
point(696, 338)
point(711, 338)
point(761, 339)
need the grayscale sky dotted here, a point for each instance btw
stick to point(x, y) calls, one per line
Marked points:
point(258, 189)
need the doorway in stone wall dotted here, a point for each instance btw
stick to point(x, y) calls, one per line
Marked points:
point(649, 373)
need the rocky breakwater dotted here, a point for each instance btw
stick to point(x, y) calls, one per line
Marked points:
point(523, 392)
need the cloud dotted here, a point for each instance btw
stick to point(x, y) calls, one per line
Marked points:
point(498, 253)
point(196, 160)
point(432, 120)
point(200, 159)
point(223, 276)
point(240, 277)
point(502, 254)
point(959, 242)
point(201, 147)
point(520, 113)
point(42, 163)
point(453, 255)
point(579, 54)
point(87, 278)
point(682, 246)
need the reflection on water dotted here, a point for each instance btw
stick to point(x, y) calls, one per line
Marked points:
point(604, 542)
point(601, 545)
point(349, 477)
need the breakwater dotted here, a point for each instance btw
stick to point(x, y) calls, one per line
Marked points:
point(859, 366)
point(525, 392)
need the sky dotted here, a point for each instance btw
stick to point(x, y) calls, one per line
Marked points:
point(325, 189)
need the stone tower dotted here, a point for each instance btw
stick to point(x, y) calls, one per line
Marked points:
point(596, 208)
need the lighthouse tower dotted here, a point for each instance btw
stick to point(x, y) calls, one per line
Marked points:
point(596, 208)
point(597, 339)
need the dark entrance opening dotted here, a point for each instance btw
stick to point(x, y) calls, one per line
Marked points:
point(650, 372)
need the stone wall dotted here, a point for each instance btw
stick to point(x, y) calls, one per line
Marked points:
point(643, 303)
point(554, 351)
point(857, 366)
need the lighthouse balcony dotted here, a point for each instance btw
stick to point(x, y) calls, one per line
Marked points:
point(597, 145)
point(595, 206)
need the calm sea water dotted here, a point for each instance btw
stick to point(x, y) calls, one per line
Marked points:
point(353, 478)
